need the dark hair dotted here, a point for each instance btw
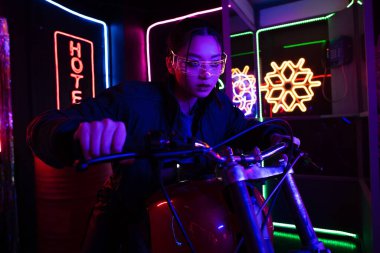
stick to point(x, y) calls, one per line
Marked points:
point(186, 29)
point(182, 35)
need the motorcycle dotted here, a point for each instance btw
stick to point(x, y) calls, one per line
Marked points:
point(224, 212)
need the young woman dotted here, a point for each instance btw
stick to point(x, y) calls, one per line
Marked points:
point(120, 118)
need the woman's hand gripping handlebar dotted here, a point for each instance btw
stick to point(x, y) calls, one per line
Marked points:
point(199, 148)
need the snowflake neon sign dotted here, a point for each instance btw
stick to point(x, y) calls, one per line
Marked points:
point(288, 86)
point(244, 90)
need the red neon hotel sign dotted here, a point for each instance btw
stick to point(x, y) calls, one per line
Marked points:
point(74, 68)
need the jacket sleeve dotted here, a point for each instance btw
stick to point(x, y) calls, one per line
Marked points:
point(50, 134)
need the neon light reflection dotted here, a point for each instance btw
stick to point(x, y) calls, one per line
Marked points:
point(244, 90)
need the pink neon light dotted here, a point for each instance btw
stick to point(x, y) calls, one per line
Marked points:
point(76, 69)
point(56, 33)
point(244, 89)
point(169, 21)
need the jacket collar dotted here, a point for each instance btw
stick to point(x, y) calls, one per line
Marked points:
point(172, 109)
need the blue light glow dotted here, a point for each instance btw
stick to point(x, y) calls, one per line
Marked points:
point(346, 120)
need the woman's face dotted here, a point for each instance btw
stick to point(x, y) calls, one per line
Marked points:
point(196, 68)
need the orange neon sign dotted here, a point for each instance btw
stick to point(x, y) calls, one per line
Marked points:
point(74, 68)
point(244, 89)
point(289, 86)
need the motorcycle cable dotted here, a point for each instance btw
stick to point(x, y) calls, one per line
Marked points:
point(279, 184)
point(264, 222)
point(249, 129)
point(290, 153)
point(275, 192)
point(158, 165)
point(270, 209)
point(288, 168)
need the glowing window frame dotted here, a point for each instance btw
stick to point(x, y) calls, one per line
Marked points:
point(264, 187)
point(105, 35)
point(235, 35)
point(166, 21)
point(56, 33)
point(258, 65)
point(240, 34)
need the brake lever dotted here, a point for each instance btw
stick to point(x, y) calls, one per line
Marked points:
point(263, 155)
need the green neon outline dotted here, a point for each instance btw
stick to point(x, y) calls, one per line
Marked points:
point(242, 54)
point(235, 35)
point(301, 22)
point(353, 2)
point(264, 190)
point(241, 34)
point(221, 84)
point(318, 230)
point(305, 43)
point(350, 4)
point(331, 242)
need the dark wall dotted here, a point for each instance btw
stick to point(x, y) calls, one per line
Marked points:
point(376, 19)
point(17, 14)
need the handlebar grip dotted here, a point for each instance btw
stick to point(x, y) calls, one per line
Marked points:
point(83, 165)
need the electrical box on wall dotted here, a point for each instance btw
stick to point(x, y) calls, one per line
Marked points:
point(342, 60)
point(340, 51)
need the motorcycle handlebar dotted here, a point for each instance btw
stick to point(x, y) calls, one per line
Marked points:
point(200, 149)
